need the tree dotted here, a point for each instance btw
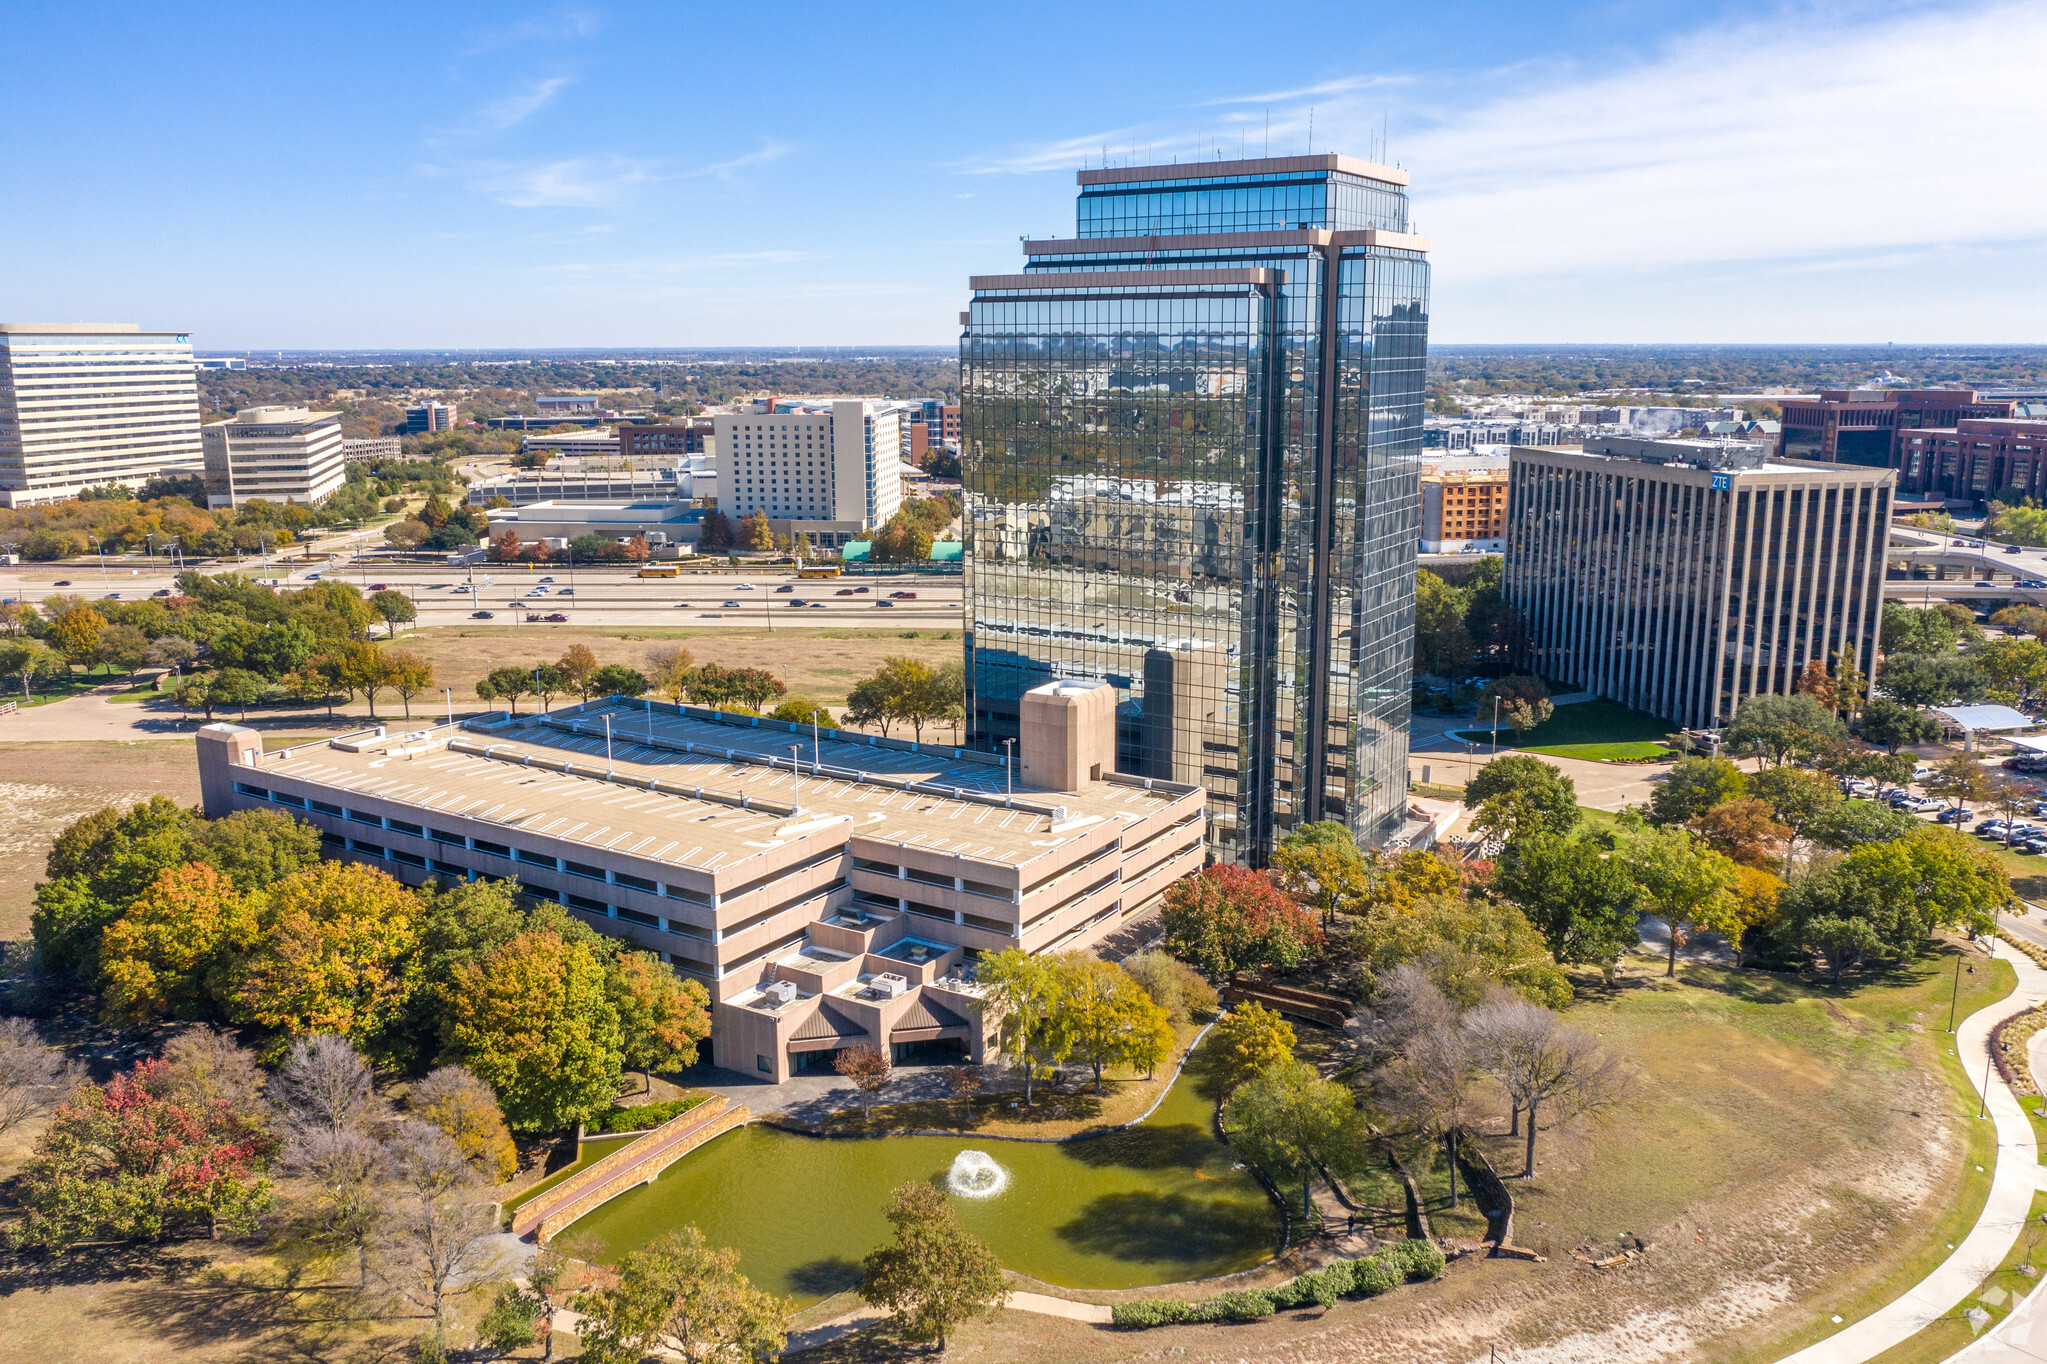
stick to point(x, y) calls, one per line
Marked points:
point(1893, 725)
point(164, 955)
point(258, 848)
point(904, 540)
point(1442, 643)
point(1886, 899)
point(1522, 702)
point(578, 669)
point(441, 1227)
point(2025, 618)
point(117, 1162)
point(1580, 897)
point(668, 668)
point(325, 1085)
point(869, 1068)
point(1744, 831)
point(330, 943)
point(548, 683)
point(76, 633)
point(170, 653)
point(1225, 920)
point(1795, 798)
point(1693, 786)
point(1248, 1041)
point(1109, 1020)
point(1931, 680)
point(1910, 630)
point(341, 1176)
point(676, 1288)
point(716, 532)
point(1468, 947)
point(1544, 1064)
point(719, 686)
point(1852, 823)
point(533, 1020)
point(204, 1068)
point(27, 659)
point(97, 867)
point(933, 1276)
point(462, 1106)
point(361, 667)
point(394, 609)
point(407, 674)
point(801, 710)
point(868, 702)
point(1022, 992)
point(33, 1074)
point(1549, 795)
point(1818, 683)
point(1427, 1083)
point(1685, 882)
point(661, 1016)
point(1289, 1119)
point(754, 532)
point(615, 679)
point(1774, 726)
point(1319, 863)
point(506, 685)
point(1959, 778)
point(1173, 985)
point(2016, 670)
point(121, 647)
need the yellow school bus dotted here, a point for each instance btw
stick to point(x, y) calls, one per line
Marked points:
point(818, 572)
point(664, 571)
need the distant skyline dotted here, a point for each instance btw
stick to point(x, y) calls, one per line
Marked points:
point(624, 175)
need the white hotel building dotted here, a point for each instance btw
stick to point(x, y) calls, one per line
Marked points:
point(83, 404)
point(827, 470)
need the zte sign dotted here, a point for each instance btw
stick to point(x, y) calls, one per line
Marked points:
point(1722, 482)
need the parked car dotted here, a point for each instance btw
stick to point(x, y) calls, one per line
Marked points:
point(1991, 828)
point(2036, 844)
point(1921, 772)
point(1953, 817)
point(483, 615)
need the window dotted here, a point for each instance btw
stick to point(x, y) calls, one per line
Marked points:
point(537, 859)
point(983, 888)
point(365, 817)
point(259, 792)
point(538, 893)
point(636, 882)
point(450, 869)
point(585, 903)
point(1007, 930)
point(333, 840)
point(878, 868)
point(409, 859)
point(760, 1063)
point(498, 848)
point(929, 878)
point(366, 849)
point(445, 836)
point(928, 911)
point(633, 916)
point(676, 892)
point(296, 802)
point(581, 869)
point(405, 828)
point(325, 807)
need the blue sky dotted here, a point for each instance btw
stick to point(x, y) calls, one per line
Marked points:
point(467, 175)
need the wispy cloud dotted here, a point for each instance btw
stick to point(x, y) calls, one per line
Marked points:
point(564, 23)
point(577, 182)
point(1061, 155)
point(768, 151)
point(1347, 85)
point(516, 108)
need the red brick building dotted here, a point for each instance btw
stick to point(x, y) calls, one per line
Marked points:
point(1977, 457)
point(669, 439)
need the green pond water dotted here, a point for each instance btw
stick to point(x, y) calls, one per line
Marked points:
point(1154, 1204)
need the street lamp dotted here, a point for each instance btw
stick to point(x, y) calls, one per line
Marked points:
point(1009, 769)
point(449, 692)
point(795, 772)
point(813, 736)
point(607, 746)
point(103, 557)
point(536, 684)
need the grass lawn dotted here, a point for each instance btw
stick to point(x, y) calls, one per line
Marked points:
point(1599, 731)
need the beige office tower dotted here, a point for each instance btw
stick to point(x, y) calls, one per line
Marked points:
point(278, 454)
point(84, 404)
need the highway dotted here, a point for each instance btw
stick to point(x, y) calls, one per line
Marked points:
point(1993, 572)
point(588, 597)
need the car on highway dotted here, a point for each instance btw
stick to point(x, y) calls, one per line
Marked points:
point(2031, 582)
point(798, 601)
point(709, 615)
point(731, 605)
point(537, 592)
point(555, 617)
point(545, 578)
point(310, 577)
point(566, 592)
point(903, 596)
point(744, 587)
point(1986, 583)
point(111, 596)
point(61, 582)
point(785, 587)
point(483, 615)
point(463, 587)
point(883, 601)
point(161, 592)
point(2014, 549)
point(843, 592)
point(379, 587)
point(862, 589)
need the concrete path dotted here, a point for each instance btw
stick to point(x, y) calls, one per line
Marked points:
point(2023, 1334)
point(2013, 1183)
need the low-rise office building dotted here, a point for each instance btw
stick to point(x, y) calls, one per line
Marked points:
point(1978, 458)
point(372, 448)
point(1681, 576)
point(658, 523)
point(277, 454)
point(608, 480)
point(827, 891)
point(1464, 505)
point(670, 440)
point(599, 442)
point(428, 418)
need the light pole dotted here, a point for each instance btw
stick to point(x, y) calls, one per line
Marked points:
point(1955, 995)
point(795, 772)
point(1496, 726)
point(536, 686)
point(103, 557)
point(1009, 769)
point(449, 692)
point(813, 736)
point(607, 747)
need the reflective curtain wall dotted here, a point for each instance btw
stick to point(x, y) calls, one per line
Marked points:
point(1207, 494)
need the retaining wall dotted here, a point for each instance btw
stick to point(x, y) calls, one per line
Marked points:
point(631, 1165)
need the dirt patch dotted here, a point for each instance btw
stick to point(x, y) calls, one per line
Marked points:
point(50, 785)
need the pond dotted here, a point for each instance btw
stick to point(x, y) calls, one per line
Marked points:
point(1153, 1204)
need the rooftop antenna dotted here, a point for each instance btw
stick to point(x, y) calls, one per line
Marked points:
point(1311, 130)
point(1268, 133)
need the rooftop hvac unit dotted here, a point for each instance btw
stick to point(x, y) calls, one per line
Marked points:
point(891, 984)
point(781, 992)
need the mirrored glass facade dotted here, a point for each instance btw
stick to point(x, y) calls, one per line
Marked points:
point(1193, 473)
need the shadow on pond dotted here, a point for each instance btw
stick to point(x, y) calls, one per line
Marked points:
point(822, 1278)
point(1180, 1146)
point(1167, 1228)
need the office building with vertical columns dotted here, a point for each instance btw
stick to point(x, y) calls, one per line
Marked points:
point(85, 404)
point(1679, 577)
point(1190, 440)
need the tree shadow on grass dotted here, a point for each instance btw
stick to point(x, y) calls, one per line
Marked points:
point(1172, 1229)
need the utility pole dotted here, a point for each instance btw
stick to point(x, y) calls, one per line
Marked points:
point(1009, 768)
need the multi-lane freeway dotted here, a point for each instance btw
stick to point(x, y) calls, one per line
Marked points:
point(595, 597)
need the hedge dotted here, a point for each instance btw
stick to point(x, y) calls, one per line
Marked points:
point(639, 1119)
point(1410, 1261)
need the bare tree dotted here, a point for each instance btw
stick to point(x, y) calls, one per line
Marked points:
point(343, 1194)
point(326, 1084)
point(33, 1074)
point(1543, 1062)
point(440, 1229)
point(1428, 1084)
point(1408, 1005)
point(207, 1067)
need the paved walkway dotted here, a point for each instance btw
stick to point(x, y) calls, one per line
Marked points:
point(2023, 1334)
point(2013, 1183)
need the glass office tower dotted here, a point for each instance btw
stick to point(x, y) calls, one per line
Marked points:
point(1190, 440)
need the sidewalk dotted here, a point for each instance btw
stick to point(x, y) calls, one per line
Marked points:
point(2023, 1334)
point(2012, 1186)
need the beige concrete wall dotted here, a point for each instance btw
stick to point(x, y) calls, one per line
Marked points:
point(1069, 734)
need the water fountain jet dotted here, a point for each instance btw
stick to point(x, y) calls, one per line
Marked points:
point(974, 1174)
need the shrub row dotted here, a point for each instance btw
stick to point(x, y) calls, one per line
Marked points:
point(640, 1119)
point(1410, 1261)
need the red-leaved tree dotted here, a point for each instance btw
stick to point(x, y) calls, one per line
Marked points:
point(1225, 920)
point(123, 1162)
